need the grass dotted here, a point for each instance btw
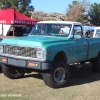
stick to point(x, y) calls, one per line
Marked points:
point(83, 84)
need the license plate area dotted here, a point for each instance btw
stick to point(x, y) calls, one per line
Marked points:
point(17, 62)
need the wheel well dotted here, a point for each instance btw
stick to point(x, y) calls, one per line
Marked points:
point(61, 56)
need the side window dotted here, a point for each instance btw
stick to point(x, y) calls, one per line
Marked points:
point(77, 31)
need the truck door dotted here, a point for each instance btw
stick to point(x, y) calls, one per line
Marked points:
point(79, 43)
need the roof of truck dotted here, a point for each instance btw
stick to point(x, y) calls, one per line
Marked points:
point(60, 22)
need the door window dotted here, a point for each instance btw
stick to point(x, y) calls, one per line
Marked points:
point(77, 31)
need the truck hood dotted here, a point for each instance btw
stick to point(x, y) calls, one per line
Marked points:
point(33, 40)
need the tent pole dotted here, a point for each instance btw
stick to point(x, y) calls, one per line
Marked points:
point(13, 30)
point(2, 30)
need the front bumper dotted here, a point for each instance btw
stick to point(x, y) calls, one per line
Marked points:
point(25, 63)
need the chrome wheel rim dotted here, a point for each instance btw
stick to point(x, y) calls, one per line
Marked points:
point(59, 74)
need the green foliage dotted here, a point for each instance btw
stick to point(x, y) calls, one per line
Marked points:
point(22, 6)
point(70, 6)
point(77, 11)
point(83, 19)
point(94, 14)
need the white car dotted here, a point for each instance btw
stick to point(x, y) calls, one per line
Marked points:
point(96, 32)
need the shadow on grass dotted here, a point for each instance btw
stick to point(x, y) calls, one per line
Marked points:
point(38, 76)
point(82, 75)
point(78, 76)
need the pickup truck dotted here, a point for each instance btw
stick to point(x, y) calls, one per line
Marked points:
point(49, 49)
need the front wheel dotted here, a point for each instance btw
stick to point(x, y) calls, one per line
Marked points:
point(12, 72)
point(58, 76)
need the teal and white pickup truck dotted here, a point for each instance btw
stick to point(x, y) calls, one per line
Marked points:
point(50, 48)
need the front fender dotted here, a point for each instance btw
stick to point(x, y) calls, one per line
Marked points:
point(51, 54)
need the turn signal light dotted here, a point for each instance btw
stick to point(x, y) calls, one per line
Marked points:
point(4, 60)
point(32, 64)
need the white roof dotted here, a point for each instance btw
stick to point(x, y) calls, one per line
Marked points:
point(59, 22)
point(97, 27)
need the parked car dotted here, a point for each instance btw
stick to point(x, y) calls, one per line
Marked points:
point(96, 32)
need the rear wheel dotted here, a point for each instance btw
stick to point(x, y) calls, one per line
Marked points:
point(96, 64)
point(58, 76)
point(12, 72)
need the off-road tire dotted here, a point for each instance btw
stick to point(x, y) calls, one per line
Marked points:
point(50, 77)
point(12, 72)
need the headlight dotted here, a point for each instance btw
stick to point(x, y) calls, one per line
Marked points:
point(40, 53)
point(1, 49)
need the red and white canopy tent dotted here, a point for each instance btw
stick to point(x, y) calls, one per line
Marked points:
point(13, 17)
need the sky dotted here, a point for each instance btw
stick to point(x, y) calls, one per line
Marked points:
point(58, 6)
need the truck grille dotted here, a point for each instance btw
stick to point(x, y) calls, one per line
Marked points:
point(19, 51)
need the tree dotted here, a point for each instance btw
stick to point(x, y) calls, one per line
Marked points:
point(94, 14)
point(77, 11)
point(23, 6)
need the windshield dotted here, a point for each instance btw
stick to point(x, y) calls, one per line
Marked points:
point(27, 29)
point(51, 29)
